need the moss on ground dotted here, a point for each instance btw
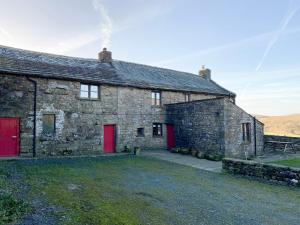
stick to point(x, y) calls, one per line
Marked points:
point(138, 190)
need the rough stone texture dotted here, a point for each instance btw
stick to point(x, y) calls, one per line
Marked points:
point(214, 126)
point(199, 125)
point(283, 174)
point(269, 147)
point(235, 146)
point(79, 122)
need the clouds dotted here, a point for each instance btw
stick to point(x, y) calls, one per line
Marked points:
point(284, 23)
point(106, 24)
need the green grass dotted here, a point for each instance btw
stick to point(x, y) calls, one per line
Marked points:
point(11, 208)
point(289, 162)
point(138, 190)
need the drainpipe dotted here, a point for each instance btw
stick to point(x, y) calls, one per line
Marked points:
point(254, 126)
point(34, 116)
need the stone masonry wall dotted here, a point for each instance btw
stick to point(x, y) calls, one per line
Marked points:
point(269, 147)
point(79, 122)
point(271, 172)
point(199, 125)
point(16, 101)
point(235, 146)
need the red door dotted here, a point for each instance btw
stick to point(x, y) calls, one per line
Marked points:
point(170, 136)
point(109, 139)
point(9, 137)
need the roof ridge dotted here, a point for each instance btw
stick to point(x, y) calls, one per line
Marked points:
point(46, 53)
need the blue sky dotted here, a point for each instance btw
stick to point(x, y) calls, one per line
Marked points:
point(251, 46)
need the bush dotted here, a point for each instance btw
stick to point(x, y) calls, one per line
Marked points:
point(175, 150)
point(184, 151)
point(127, 148)
point(200, 155)
point(194, 152)
point(11, 209)
point(213, 157)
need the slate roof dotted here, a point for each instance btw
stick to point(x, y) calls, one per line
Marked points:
point(24, 62)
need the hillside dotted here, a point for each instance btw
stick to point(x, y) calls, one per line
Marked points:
point(281, 125)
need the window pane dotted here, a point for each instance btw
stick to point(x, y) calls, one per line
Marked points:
point(49, 124)
point(157, 102)
point(140, 132)
point(94, 88)
point(84, 94)
point(153, 95)
point(157, 95)
point(94, 94)
point(84, 87)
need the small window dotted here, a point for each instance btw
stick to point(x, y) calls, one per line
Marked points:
point(140, 132)
point(89, 91)
point(157, 129)
point(187, 97)
point(246, 129)
point(49, 124)
point(156, 98)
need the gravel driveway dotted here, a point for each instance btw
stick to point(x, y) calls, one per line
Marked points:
point(150, 191)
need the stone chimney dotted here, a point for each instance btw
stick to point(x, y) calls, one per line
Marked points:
point(205, 73)
point(105, 56)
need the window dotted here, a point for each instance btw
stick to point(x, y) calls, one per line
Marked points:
point(246, 128)
point(157, 129)
point(49, 124)
point(156, 98)
point(140, 132)
point(187, 97)
point(89, 91)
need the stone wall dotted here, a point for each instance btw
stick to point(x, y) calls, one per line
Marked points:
point(79, 122)
point(235, 146)
point(16, 101)
point(215, 126)
point(199, 124)
point(269, 147)
point(271, 172)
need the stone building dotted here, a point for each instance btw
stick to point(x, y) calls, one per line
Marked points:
point(58, 105)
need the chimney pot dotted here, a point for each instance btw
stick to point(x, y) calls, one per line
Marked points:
point(205, 73)
point(105, 56)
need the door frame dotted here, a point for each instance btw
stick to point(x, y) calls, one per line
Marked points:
point(17, 133)
point(115, 138)
point(167, 131)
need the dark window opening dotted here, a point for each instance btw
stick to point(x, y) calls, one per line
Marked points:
point(157, 129)
point(89, 91)
point(48, 124)
point(140, 132)
point(187, 97)
point(156, 98)
point(246, 129)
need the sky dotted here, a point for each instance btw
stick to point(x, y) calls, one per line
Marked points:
point(251, 46)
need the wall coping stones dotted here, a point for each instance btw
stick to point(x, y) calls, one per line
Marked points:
point(271, 172)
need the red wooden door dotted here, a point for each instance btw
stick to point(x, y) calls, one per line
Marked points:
point(170, 136)
point(109, 139)
point(9, 137)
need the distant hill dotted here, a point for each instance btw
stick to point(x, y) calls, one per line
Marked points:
point(288, 125)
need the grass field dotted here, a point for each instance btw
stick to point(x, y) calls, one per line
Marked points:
point(131, 190)
point(289, 162)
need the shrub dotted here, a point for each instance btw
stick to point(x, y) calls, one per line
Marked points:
point(175, 150)
point(127, 148)
point(194, 152)
point(213, 157)
point(200, 155)
point(11, 209)
point(184, 151)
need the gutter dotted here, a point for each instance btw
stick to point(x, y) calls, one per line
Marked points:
point(34, 115)
point(255, 141)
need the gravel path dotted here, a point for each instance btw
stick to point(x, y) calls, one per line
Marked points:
point(185, 195)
